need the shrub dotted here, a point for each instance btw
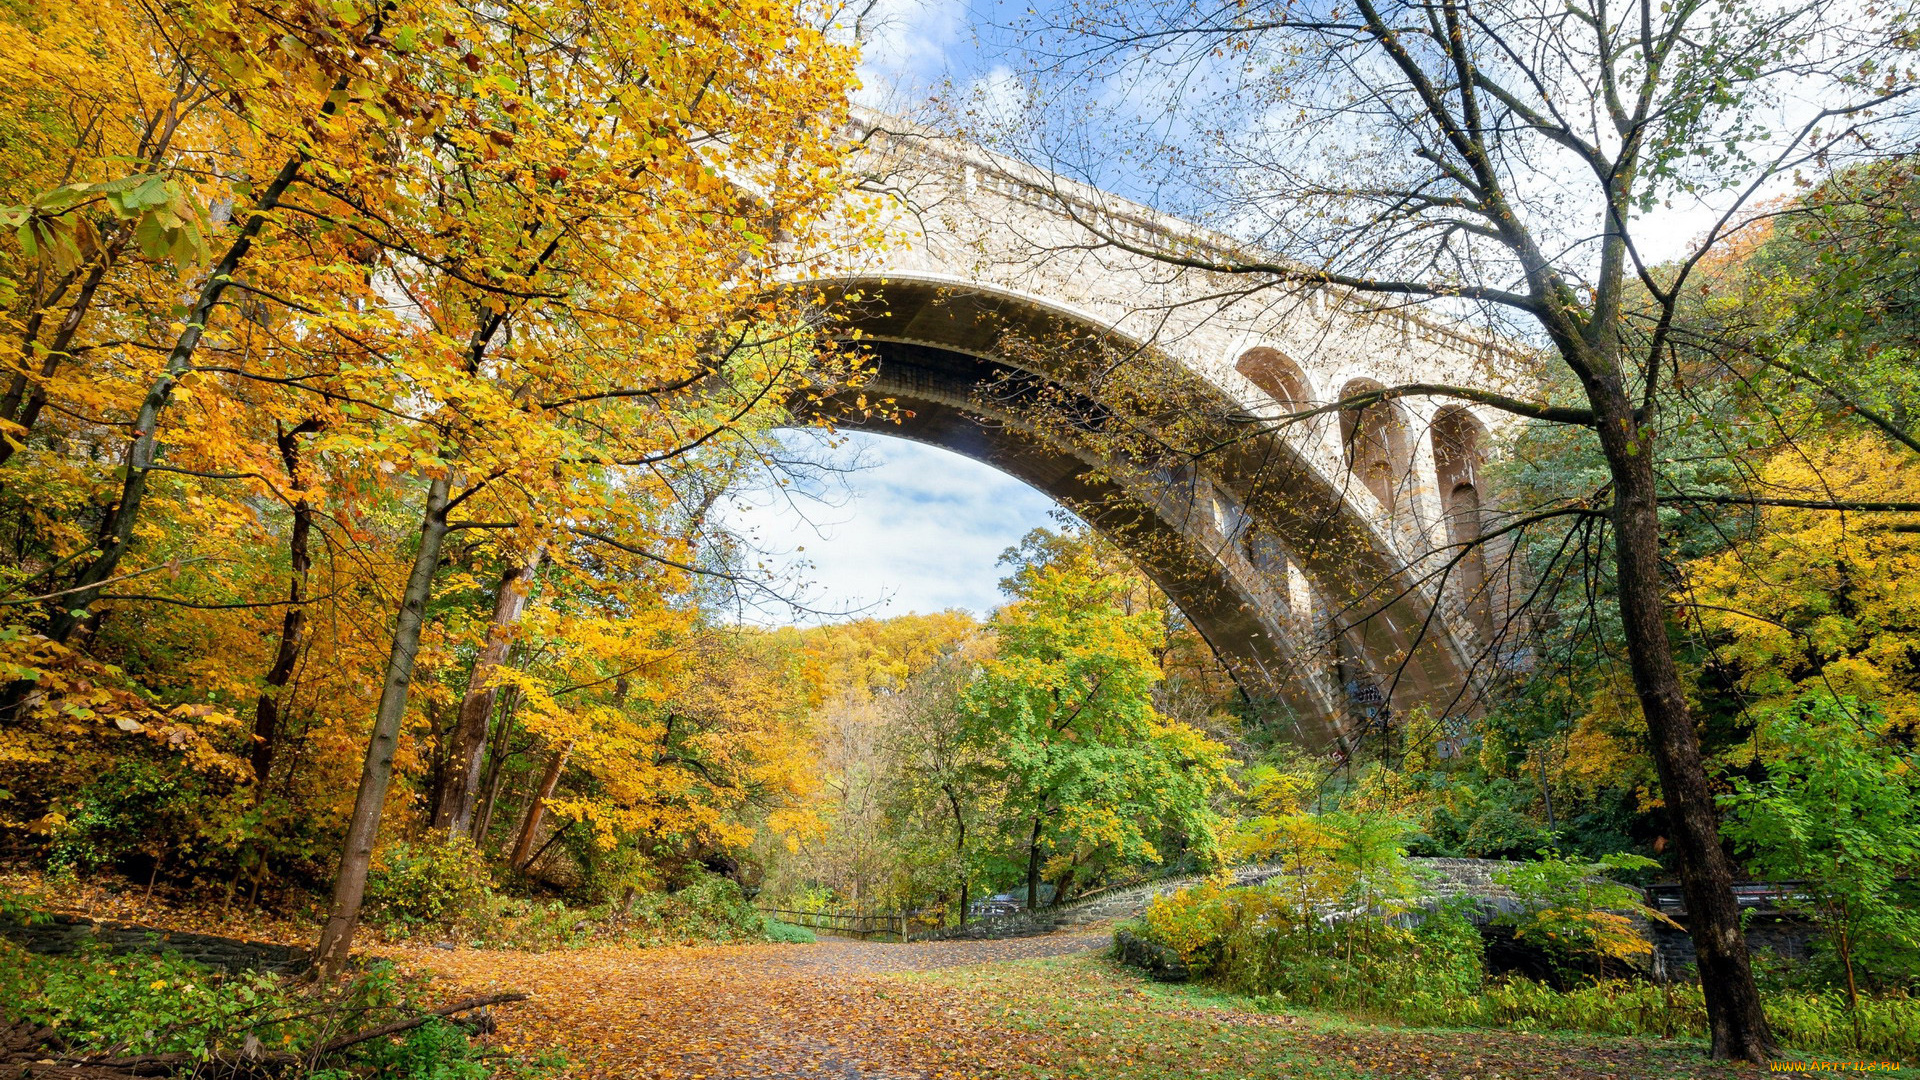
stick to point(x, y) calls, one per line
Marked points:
point(712, 908)
point(436, 1050)
point(1191, 922)
point(145, 1004)
point(137, 808)
point(788, 934)
point(1416, 973)
point(437, 887)
point(161, 1004)
point(1571, 909)
point(538, 925)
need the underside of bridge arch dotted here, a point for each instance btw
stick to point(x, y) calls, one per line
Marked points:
point(942, 356)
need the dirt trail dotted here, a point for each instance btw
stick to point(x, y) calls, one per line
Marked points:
point(753, 1012)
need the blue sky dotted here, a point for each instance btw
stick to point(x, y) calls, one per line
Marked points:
point(903, 527)
point(899, 528)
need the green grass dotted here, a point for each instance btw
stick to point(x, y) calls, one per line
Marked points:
point(781, 933)
point(1086, 1018)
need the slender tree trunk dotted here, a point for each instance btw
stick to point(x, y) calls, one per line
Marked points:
point(460, 780)
point(24, 402)
point(1546, 791)
point(1066, 882)
point(266, 713)
point(530, 828)
point(959, 850)
point(143, 452)
point(496, 768)
point(1735, 1015)
point(1033, 866)
point(356, 855)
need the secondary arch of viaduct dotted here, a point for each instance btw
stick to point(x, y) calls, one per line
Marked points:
point(1291, 574)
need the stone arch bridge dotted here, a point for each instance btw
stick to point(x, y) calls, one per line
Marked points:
point(1322, 556)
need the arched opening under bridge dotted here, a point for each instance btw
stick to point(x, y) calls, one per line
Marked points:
point(1242, 541)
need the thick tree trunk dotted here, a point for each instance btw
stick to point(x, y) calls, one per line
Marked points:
point(1738, 1023)
point(530, 828)
point(350, 885)
point(460, 780)
point(266, 713)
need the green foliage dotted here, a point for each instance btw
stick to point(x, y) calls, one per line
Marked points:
point(148, 1004)
point(137, 807)
point(1809, 1022)
point(1067, 710)
point(787, 934)
point(160, 1004)
point(1326, 929)
point(429, 887)
point(1839, 808)
point(1571, 909)
point(1375, 968)
point(1499, 832)
point(1252, 942)
point(436, 1050)
point(712, 908)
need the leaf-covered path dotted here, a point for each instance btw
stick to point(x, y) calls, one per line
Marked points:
point(754, 1011)
point(844, 1010)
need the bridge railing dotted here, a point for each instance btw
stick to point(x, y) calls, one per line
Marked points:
point(1760, 897)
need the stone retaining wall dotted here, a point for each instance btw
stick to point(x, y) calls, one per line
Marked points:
point(58, 935)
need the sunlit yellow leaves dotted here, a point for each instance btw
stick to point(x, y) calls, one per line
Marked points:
point(1820, 600)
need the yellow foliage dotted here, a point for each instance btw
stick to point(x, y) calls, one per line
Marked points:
point(1819, 600)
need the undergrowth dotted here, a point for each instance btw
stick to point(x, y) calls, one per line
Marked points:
point(1433, 975)
point(443, 891)
point(135, 1005)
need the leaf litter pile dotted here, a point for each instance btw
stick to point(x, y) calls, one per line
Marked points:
point(1042, 1007)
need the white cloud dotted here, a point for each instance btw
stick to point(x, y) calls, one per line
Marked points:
point(916, 529)
point(907, 47)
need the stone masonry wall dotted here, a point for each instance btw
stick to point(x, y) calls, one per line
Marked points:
point(59, 935)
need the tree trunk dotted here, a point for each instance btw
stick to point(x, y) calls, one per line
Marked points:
point(145, 448)
point(363, 827)
point(496, 767)
point(460, 780)
point(1033, 867)
point(530, 828)
point(1734, 1013)
point(1066, 882)
point(24, 403)
point(959, 850)
point(266, 713)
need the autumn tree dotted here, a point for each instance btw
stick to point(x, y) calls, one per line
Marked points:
point(1506, 159)
point(518, 266)
point(615, 314)
point(1065, 709)
point(945, 790)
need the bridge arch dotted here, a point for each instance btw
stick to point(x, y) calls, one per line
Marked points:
point(1292, 585)
point(1378, 444)
point(1459, 451)
point(1275, 373)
